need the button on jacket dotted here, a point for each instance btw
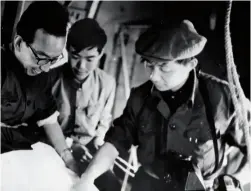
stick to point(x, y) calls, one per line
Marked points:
point(148, 123)
point(88, 104)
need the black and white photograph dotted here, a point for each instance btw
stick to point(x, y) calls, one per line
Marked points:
point(125, 96)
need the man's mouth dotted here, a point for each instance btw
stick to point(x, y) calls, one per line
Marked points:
point(80, 72)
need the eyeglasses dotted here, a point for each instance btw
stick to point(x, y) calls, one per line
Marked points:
point(45, 61)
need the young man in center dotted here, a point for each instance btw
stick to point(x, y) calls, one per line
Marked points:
point(84, 93)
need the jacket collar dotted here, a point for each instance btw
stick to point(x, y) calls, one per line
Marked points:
point(162, 105)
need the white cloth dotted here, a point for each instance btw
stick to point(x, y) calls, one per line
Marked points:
point(39, 169)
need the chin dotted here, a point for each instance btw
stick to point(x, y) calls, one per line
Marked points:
point(81, 77)
point(32, 72)
point(161, 88)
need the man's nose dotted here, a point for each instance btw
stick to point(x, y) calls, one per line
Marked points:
point(155, 74)
point(81, 64)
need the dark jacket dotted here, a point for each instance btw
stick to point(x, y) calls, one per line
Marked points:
point(24, 99)
point(190, 131)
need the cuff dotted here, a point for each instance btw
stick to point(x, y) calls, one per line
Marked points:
point(101, 131)
point(49, 120)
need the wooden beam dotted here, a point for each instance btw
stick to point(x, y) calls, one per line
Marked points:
point(93, 9)
point(124, 66)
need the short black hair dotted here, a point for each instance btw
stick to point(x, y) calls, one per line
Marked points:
point(86, 33)
point(50, 16)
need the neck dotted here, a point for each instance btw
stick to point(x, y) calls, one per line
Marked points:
point(80, 81)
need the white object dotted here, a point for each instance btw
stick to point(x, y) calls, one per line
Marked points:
point(39, 169)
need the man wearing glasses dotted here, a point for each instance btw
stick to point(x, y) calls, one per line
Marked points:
point(26, 100)
point(46, 62)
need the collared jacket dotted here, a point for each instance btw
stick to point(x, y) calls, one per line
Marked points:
point(25, 99)
point(147, 122)
point(88, 104)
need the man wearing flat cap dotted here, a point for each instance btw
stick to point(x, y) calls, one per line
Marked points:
point(182, 120)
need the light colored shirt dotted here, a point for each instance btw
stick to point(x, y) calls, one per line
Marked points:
point(87, 105)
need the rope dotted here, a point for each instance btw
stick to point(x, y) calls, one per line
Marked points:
point(213, 78)
point(237, 93)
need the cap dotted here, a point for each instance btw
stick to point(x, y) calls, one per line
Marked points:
point(173, 43)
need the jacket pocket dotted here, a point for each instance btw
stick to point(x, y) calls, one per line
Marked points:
point(146, 129)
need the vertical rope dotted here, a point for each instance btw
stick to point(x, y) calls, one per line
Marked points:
point(237, 93)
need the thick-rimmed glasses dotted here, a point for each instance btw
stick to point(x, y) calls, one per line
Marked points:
point(45, 61)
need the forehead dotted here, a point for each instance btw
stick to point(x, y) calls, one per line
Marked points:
point(47, 43)
point(87, 52)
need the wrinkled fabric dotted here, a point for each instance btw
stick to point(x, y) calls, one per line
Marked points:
point(38, 169)
point(88, 105)
point(26, 102)
point(147, 122)
point(24, 98)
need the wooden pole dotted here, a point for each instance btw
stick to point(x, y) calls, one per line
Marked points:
point(124, 66)
point(93, 9)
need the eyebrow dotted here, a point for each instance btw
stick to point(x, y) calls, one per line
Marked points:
point(77, 54)
point(90, 56)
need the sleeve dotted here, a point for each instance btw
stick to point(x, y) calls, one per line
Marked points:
point(106, 116)
point(236, 156)
point(48, 113)
point(123, 132)
point(235, 135)
point(49, 120)
point(47, 108)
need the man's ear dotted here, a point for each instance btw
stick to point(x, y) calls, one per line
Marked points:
point(101, 53)
point(17, 42)
point(193, 63)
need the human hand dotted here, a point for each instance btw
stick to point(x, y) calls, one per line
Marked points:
point(98, 142)
point(226, 183)
point(85, 183)
point(70, 162)
point(73, 166)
